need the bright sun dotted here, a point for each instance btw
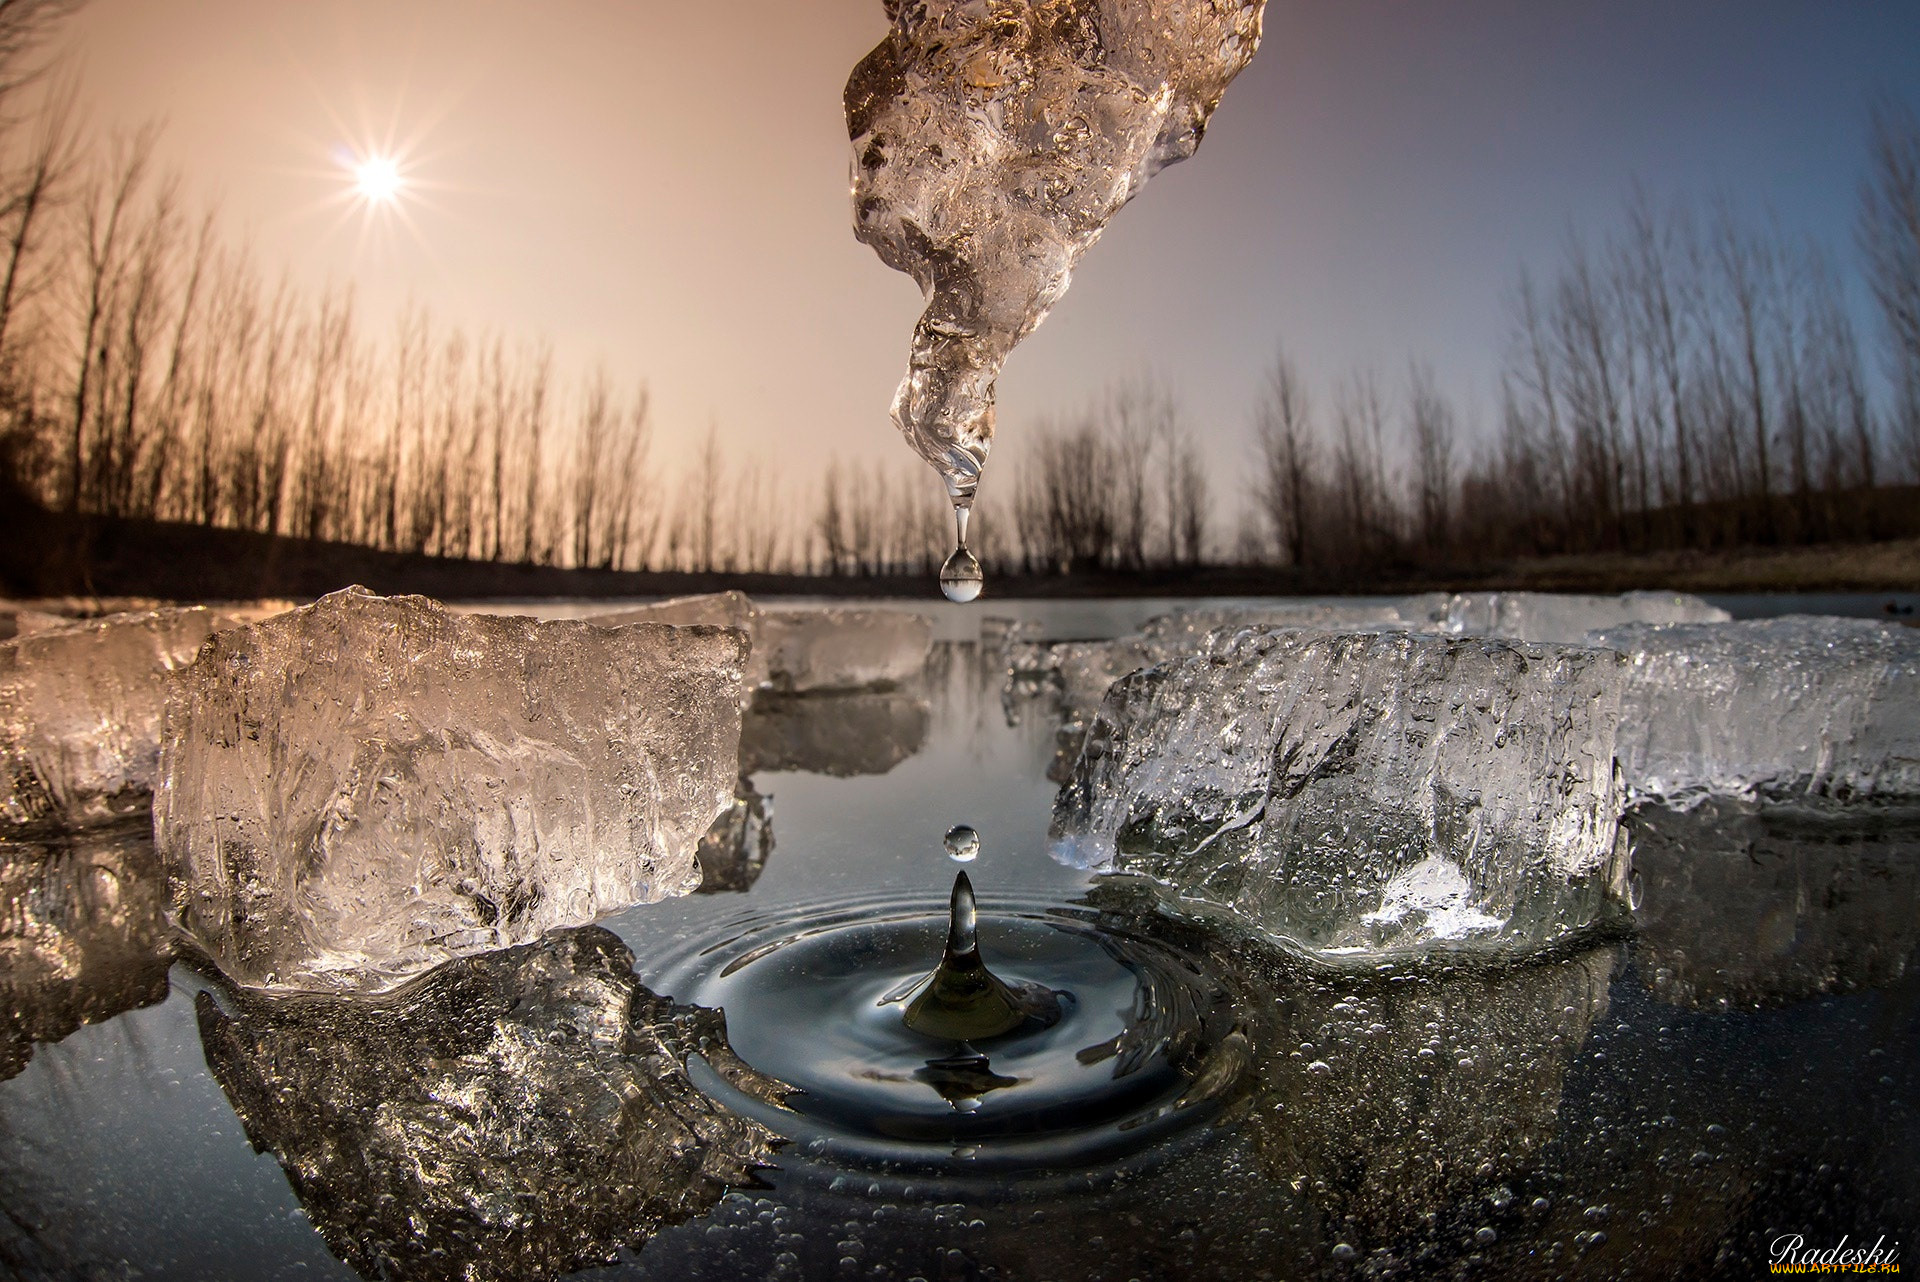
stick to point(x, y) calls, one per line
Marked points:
point(377, 180)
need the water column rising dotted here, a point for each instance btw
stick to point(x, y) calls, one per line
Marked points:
point(992, 141)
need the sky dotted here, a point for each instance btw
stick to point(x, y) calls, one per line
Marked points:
point(661, 187)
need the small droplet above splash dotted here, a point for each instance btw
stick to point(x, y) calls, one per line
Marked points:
point(963, 844)
point(961, 578)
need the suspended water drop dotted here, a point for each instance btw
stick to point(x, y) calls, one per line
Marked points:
point(963, 844)
point(961, 578)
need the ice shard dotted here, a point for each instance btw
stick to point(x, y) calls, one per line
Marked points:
point(83, 934)
point(361, 789)
point(1568, 617)
point(526, 1113)
point(991, 144)
point(80, 709)
point(1795, 706)
point(1357, 795)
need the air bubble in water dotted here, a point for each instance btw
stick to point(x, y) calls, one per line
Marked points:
point(963, 844)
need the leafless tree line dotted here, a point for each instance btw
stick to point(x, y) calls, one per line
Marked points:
point(1691, 381)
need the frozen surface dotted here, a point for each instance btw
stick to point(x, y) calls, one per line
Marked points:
point(522, 1114)
point(358, 790)
point(80, 708)
point(1794, 706)
point(991, 144)
point(1362, 794)
point(1569, 617)
point(836, 649)
point(83, 935)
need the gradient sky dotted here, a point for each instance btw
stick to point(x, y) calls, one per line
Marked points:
point(663, 186)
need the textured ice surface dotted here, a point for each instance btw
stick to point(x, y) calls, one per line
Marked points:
point(83, 934)
point(1771, 707)
point(835, 649)
point(361, 789)
point(711, 609)
point(80, 709)
point(1742, 904)
point(1569, 617)
point(1360, 794)
point(992, 141)
point(523, 1114)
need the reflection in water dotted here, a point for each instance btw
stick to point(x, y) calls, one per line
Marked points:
point(734, 852)
point(1744, 904)
point(83, 935)
point(1387, 1096)
point(861, 733)
point(517, 1114)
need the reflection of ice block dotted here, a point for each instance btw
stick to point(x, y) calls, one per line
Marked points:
point(1773, 707)
point(361, 789)
point(1391, 1102)
point(1362, 794)
point(734, 852)
point(1743, 904)
point(841, 649)
point(1568, 617)
point(83, 935)
point(80, 713)
point(517, 1115)
point(866, 732)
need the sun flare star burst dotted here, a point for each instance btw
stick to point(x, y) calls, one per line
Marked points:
point(376, 179)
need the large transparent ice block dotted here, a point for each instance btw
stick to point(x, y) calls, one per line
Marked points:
point(1567, 617)
point(80, 708)
point(1795, 706)
point(1362, 794)
point(356, 791)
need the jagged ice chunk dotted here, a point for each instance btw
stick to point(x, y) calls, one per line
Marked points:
point(1361, 794)
point(1771, 707)
point(991, 144)
point(80, 709)
point(356, 791)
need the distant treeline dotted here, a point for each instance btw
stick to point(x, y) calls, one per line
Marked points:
point(1690, 381)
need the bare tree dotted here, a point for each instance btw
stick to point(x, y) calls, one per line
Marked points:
point(1285, 474)
point(1430, 423)
point(1889, 234)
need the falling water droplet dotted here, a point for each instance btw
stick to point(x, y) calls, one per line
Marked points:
point(963, 1001)
point(963, 844)
point(961, 578)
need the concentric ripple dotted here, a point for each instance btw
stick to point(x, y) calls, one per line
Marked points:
point(1144, 1046)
